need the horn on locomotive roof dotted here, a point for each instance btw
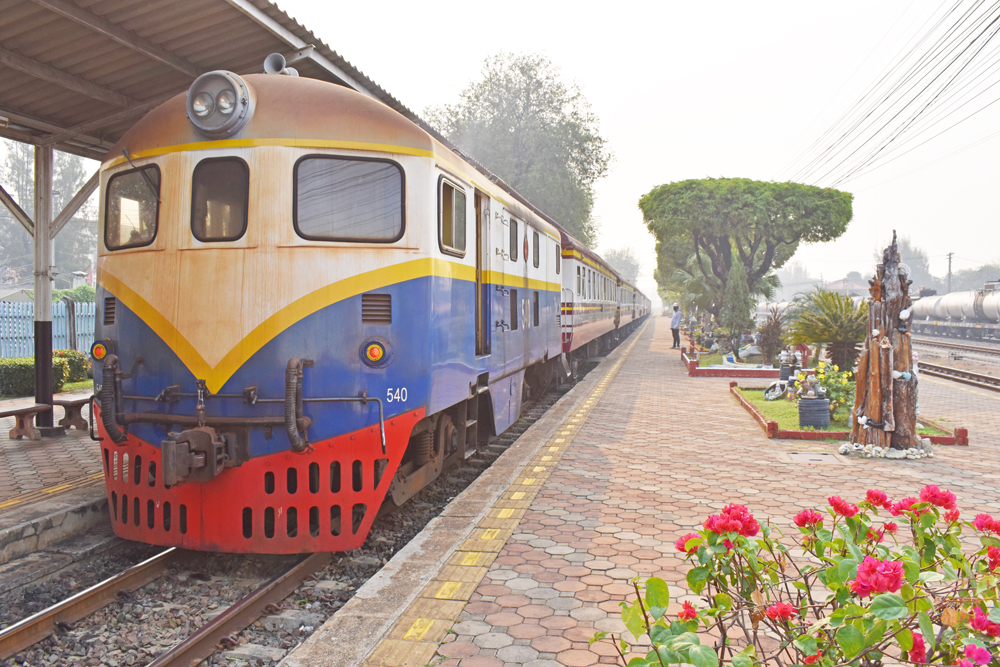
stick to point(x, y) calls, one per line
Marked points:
point(275, 64)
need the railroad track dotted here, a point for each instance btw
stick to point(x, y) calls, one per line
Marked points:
point(948, 345)
point(191, 651)
point(960, 375)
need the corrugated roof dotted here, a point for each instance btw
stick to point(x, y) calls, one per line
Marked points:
point(77, 75)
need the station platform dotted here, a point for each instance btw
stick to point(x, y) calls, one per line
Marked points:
point(50, 488)
point(534, 558)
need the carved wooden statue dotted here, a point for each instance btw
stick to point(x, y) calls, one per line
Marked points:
point(885, 406)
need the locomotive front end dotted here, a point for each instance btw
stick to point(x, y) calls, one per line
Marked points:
point(263, 323)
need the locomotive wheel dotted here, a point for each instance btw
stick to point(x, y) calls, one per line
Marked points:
point(430, 460)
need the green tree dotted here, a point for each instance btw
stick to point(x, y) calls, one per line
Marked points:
point(724, 221)
point(833, 319)
point(625, 262)
point(75, 244)
point(737, 305)
point(916, 259)
point(970, 279)
point(534, 131)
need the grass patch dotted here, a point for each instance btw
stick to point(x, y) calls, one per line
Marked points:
point(709, 358)
point(786, 413)
point(86, 385)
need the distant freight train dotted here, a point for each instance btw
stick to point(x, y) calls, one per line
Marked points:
point(307, 304)
point(974, 314)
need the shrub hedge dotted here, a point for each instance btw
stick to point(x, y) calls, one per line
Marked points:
point(17, 376)
point(78, 364)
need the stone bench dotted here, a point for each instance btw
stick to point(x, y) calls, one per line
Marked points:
point(74, 412)
point(25, 416)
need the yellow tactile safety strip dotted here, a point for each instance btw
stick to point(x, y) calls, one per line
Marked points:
point(414, 639)
point(40, 494)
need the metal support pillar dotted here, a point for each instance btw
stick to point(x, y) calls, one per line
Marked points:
point(44, 256)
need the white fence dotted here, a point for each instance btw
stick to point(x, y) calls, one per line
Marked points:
point(17, 328)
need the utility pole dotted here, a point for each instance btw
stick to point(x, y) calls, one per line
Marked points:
point(949, 271)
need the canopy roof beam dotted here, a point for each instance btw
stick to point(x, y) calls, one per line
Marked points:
point(108, 29)
point(82, 195)
point(58, 77)
point(17, 211)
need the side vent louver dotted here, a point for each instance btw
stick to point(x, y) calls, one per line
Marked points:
point(376, 308)
point(109, 311)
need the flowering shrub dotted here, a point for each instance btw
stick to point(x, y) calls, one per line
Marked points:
point(839, 385)
point(860, 590)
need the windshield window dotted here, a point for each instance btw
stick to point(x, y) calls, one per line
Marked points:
point(132, 208)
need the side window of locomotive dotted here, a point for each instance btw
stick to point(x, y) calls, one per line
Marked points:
point(344, 199)
point(558, 258)
point(513, 240)
point(534, 249)
point(451, 209)
point(132, 208)
point(220, 191)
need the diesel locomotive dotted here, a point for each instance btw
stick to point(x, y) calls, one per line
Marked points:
point(309, 304)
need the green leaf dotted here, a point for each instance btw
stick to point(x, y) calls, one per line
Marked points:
point(928, 577)
point(994, 615)
point(851, 546)
point(598, 636)
point(926, 628)
point(657, 596)
point(806, 644)
point(847, 569)
point(642, 662)
point(876, 634)
point(667, 655)
point(659, 634)
point(633, 620)
point(927, 520)
point(851, 640)
point(702, 656)
point(949, 571)
point(697, 578)
point(905, 639)
point(837, 617)
point(723, 601)
point(740, 660)
point(800, 585)
point(889, 606)
point(911, 570)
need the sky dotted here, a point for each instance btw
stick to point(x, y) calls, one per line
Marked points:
point(696, 90)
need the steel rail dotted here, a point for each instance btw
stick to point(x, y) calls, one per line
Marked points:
point(35, 628)
point(981, 349)
point(203, 642)
point(990, 382)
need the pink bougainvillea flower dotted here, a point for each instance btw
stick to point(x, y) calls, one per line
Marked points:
point(984, 523)
point(733, 519)
point(951, 516)
point(878, 498)
point(875, 535)
point(977, 654)
point(964, 663)
point(682, 542)
point(904, 505)
point(876, 576)
point(993, 554)
point(842, 507)
point(781, 611)
point(811, 659)
point(688, 613)
point(891, 527)
point(807, 518)
point(983, 624)
point(919, 651)
point(940, 497)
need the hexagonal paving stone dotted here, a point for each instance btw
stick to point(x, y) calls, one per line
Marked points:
point(493, 640)
point(534, 611)
point(517, 654)
point(588, 614)
point(577, 658)
point(472, 628)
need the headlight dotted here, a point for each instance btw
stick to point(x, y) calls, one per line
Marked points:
point(220, 103)
point(226, 102)
point(202, 104)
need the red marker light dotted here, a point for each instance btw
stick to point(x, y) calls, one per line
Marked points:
point(99, 351)
point(374, 352)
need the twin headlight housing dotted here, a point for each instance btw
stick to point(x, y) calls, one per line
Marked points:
point(219, 103)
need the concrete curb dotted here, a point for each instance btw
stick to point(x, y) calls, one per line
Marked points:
point(358, 627)
point(36, 526)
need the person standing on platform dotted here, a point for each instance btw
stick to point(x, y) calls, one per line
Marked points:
point(675, 326)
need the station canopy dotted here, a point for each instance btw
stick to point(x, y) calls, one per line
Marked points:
point(77, 75)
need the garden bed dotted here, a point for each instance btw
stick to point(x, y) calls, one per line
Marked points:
point(780, 419)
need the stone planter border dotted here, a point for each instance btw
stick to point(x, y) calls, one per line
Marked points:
point(959, 436)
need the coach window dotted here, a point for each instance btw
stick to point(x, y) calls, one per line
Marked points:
point(348, 199)
point(219, 194)
point(579, 282)
point(513, 240)
point(132, 208)
point(451, 206)
point(534, 250)
point(558, 258)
